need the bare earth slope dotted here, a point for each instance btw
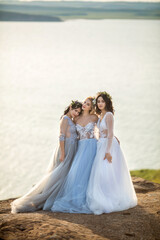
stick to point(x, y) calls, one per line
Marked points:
point(141, 222)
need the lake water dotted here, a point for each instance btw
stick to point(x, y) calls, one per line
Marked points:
point(45, 65)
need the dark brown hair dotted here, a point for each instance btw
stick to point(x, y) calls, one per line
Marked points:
point(73, 105)
point(108, 100)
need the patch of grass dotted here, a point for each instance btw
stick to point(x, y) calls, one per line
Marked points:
point(148, 174)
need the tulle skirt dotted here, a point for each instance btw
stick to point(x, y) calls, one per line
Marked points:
point(110, 187)
point(72, 196)
point(43, 194)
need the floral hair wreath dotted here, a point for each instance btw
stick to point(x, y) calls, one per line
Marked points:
point(94, 101)
point(105, 93)
point(75, 102)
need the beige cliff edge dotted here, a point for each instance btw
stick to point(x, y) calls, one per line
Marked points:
point(141, 222)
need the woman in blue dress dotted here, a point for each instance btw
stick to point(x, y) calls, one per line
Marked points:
point(72, 195)
point(42, 195)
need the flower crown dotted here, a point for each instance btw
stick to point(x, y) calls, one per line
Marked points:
point(105, 93)
point(75, 102)
point(94, 101)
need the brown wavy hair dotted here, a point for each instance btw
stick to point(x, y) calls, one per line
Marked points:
point(108, 100)
point(74, 105)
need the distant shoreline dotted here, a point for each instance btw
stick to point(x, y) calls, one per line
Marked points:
point(19, 17)
point(62, 11)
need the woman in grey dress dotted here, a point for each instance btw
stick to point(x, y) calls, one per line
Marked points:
point(42, 195)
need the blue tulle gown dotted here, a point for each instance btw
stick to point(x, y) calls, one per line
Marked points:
point(43, 194)
point(72, 196)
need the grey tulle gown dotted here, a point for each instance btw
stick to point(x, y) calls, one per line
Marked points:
point(43, 194)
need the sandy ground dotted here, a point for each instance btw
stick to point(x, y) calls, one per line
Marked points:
point(141, 222)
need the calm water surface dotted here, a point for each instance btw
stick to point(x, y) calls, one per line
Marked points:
point(45, 65)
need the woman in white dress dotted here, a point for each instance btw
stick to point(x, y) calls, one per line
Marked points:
point(110, 187)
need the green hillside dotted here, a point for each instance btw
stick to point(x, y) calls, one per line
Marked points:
point(148, 174)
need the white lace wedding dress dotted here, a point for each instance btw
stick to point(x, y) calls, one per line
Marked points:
point(110, 187)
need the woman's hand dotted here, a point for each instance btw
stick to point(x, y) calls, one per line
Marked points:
point(108, 157)
point(62, 156)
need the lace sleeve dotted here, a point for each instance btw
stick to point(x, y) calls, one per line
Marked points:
point(63, 129)
point(110, 122)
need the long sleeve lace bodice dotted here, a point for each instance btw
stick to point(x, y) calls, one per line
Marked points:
point(87, 131)
point(67, 129)
point(106, 129)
